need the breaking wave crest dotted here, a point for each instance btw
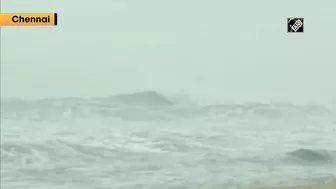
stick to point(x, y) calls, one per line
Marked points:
point(148, 105)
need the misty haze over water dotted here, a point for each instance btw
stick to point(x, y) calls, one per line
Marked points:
point(168, 94)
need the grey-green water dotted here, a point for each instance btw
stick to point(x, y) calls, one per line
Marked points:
point(98, 143)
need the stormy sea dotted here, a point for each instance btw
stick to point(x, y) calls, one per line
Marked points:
point(152, 140)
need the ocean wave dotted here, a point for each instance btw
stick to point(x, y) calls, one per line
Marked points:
point(273, 109)
point(303, 155)
point(147, 98)
point(150, 105)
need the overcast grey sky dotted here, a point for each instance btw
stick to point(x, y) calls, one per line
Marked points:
point(219, 48)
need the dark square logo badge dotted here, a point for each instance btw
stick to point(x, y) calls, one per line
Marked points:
point(295, 25)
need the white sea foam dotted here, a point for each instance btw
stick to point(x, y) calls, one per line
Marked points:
point(146, 140)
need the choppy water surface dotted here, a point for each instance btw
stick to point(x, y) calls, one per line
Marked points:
point(146, 140)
